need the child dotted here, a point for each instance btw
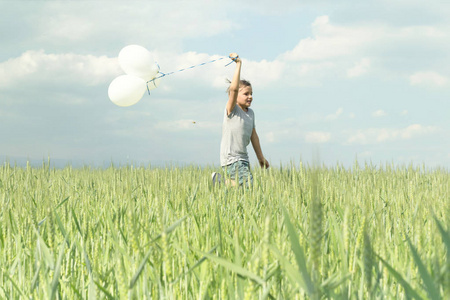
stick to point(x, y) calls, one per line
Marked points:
point(238, 131)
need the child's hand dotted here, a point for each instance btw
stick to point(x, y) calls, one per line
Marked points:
point(235, 57)
point(264, 163)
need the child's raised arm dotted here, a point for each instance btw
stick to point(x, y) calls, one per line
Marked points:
point(233, 90)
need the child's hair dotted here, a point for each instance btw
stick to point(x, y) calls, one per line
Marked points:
point(242, 83)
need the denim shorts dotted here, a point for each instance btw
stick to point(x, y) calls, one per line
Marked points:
point(240, 170)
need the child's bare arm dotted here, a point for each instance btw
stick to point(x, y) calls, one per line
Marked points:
point(234, 87)
point(257, 147)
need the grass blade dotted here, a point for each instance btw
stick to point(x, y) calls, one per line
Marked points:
point(76, 291)
point(170, 228)
point(298, 253)
point(445, 236)
point(406, 286)
point(198, 263)
point(292, 272)
point(55, 281)
point(61, 228)
point(41, 222)
point(35, 281)
point(16, 286)
point(62, 202)
point(76, 222)
point(43, 249)
point(107, 294)
point(234, 268)
point(219, 229)
point(140, 269)
point(426, 277)
point(92, 295)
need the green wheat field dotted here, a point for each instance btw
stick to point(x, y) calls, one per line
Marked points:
point(301, 232)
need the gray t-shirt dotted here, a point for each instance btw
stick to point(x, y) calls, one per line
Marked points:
point(237, 129)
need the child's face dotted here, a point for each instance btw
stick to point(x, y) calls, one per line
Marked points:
point(245, 97)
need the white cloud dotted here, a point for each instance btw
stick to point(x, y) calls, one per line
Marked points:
point(270, 137)
point(357, 49)
point(360, 68)
point(379, 135)
point(364, 155)
point(307, 74)
point(266, 7)
point(404, 112)
point(379, 113)
point(335, 115)
point(157, 23)
point(414, 130)
point(263, 73)
point(68, 27)
point(331, 41)
point(429, 79)
point(34, 67)
point(333, 49)
point(317, 137)
point(41, 70)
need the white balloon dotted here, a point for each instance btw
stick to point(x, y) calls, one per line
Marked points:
point(153, 84)
point(126, 90)
point(138, 61)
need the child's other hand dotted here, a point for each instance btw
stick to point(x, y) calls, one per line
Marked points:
point(264, 163)
point(235, 57)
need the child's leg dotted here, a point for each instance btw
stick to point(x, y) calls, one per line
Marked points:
point(232, 172)
point(245, 176)
point(238, 173)
point(217, 178)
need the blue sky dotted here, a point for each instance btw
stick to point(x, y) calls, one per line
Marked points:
point(367, 81)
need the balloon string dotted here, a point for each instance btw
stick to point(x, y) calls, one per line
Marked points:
point(152, 81)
